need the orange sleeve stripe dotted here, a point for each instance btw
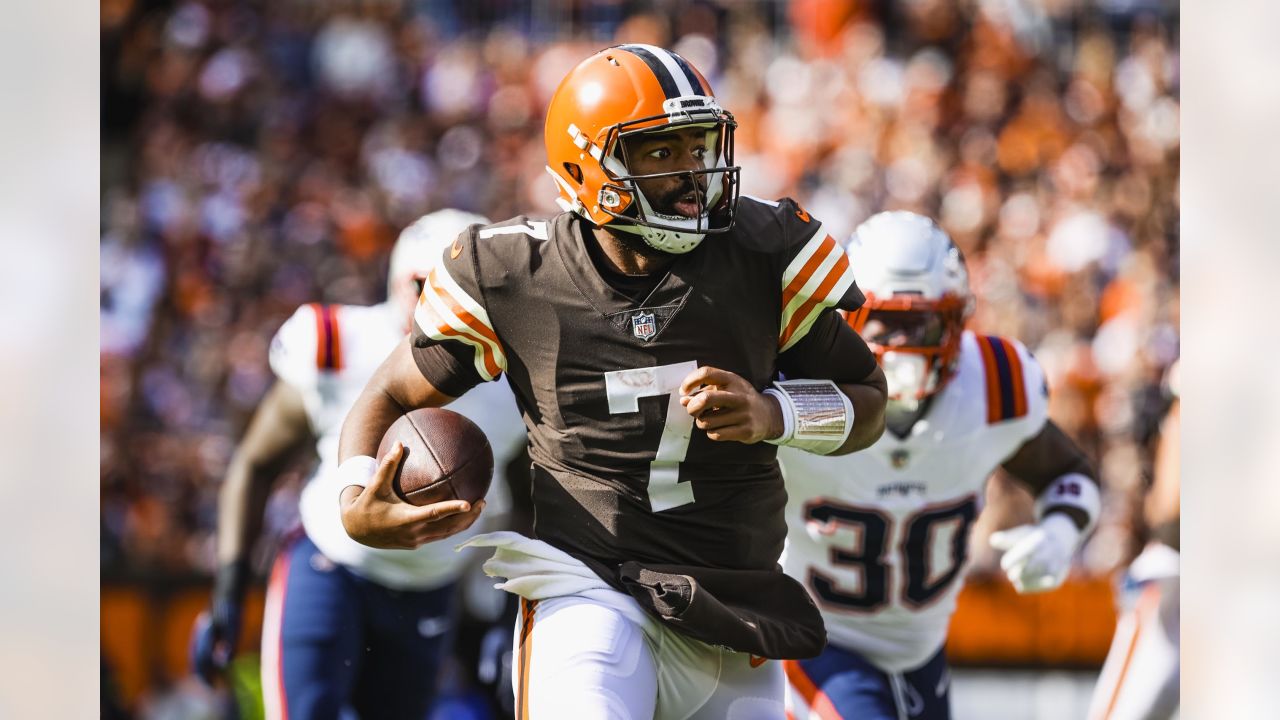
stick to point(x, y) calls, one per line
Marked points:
point(833, 276)
point(1006, 387)
point(818, 702)
point(441, 327)
point(479, 327)
point(993, 383)
point(806, 271)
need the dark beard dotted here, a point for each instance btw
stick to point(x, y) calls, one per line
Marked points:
point(666, 205)
point(636, 244)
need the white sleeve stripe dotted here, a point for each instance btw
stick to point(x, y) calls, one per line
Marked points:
point(811, 285)
point(440, 324)
point(806, 252)
point(837, 291)
point(460, 296)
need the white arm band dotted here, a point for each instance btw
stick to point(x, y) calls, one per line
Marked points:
point(356, 470)
point(816, 416)
point(1074, 491)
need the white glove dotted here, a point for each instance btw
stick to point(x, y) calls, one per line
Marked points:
point(1038, 557)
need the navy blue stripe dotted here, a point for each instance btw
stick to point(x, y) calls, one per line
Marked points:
point(688, 73)
point(1005, 374)
point(326, 316)
point(668, 83)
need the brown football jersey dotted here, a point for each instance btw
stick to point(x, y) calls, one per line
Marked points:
point(620, 471)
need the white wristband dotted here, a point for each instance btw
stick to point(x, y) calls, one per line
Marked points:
point(816, 415)
point(1074, 491)
point(356, 470)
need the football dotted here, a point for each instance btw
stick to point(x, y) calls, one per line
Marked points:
point(446, 457)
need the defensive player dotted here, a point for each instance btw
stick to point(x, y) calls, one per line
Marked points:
point(347, 626)
point(1139, 680)
point(641, 330)
point(880, 538)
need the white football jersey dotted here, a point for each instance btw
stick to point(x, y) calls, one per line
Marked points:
point(328, 353)
point(880, 537)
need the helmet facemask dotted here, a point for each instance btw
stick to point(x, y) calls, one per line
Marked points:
point(713, 186)
point(916, 342)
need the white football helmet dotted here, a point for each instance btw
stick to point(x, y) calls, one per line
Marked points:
point(417, 249)
point(918, 300)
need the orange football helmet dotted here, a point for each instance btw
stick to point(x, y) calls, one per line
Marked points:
point(631, 89)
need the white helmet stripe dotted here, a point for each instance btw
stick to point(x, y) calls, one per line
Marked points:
point(672, 67)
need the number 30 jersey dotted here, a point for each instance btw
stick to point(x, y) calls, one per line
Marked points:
point(620, 472)
point(880, 537)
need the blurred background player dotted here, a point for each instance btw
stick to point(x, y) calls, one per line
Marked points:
point(1140, 678)
point(346, 626)
point(880, 538)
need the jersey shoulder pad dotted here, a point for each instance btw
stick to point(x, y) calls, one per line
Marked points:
point(452, 305)
point(308, 344)
point(814, 270)
point(1014, 384)
point(772, 226)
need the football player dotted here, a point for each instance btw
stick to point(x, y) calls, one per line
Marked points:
point(1139, 680)
point(880, 538)
point(642, 330)
point(346, 626)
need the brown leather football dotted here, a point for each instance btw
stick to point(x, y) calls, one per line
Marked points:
point(446, 457)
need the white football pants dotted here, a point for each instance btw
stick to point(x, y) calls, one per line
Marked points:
point(1139, 680)
point(584, 651)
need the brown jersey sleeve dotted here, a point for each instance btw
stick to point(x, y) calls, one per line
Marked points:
point(448, 366)
point(815, 274)
point(454, 341)
point(831, 350)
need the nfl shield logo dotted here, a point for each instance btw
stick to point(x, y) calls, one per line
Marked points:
point(643, 325)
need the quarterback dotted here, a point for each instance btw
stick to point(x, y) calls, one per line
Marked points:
point(317, 661)
point(880, 538)
point(643, 331)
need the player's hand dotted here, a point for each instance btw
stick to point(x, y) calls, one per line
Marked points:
point(728, 407)
point(217, 630)
point(377, 517)
point(1038, 557)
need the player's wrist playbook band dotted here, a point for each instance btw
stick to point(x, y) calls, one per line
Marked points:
point(356, 470)
point(816, 416)
point(1072, 491)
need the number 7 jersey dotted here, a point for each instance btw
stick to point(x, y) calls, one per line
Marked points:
point(880, 537)
point(620, 472)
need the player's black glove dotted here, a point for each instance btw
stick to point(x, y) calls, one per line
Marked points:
point(213, 641)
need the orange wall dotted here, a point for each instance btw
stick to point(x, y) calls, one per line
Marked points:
point(146, 634)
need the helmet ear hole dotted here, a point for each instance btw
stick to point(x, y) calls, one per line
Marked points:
point(574, 170)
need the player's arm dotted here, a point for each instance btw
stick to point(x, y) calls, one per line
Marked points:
point(371, 512)
point(1037, 557)
point(1052, 466)
point(1163, 507)
point(838, 411)
point(277, 433)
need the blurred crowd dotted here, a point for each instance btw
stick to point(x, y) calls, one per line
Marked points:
point(259, 155)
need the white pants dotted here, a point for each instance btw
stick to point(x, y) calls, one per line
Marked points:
point(584, 651)
point(1139, 680)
